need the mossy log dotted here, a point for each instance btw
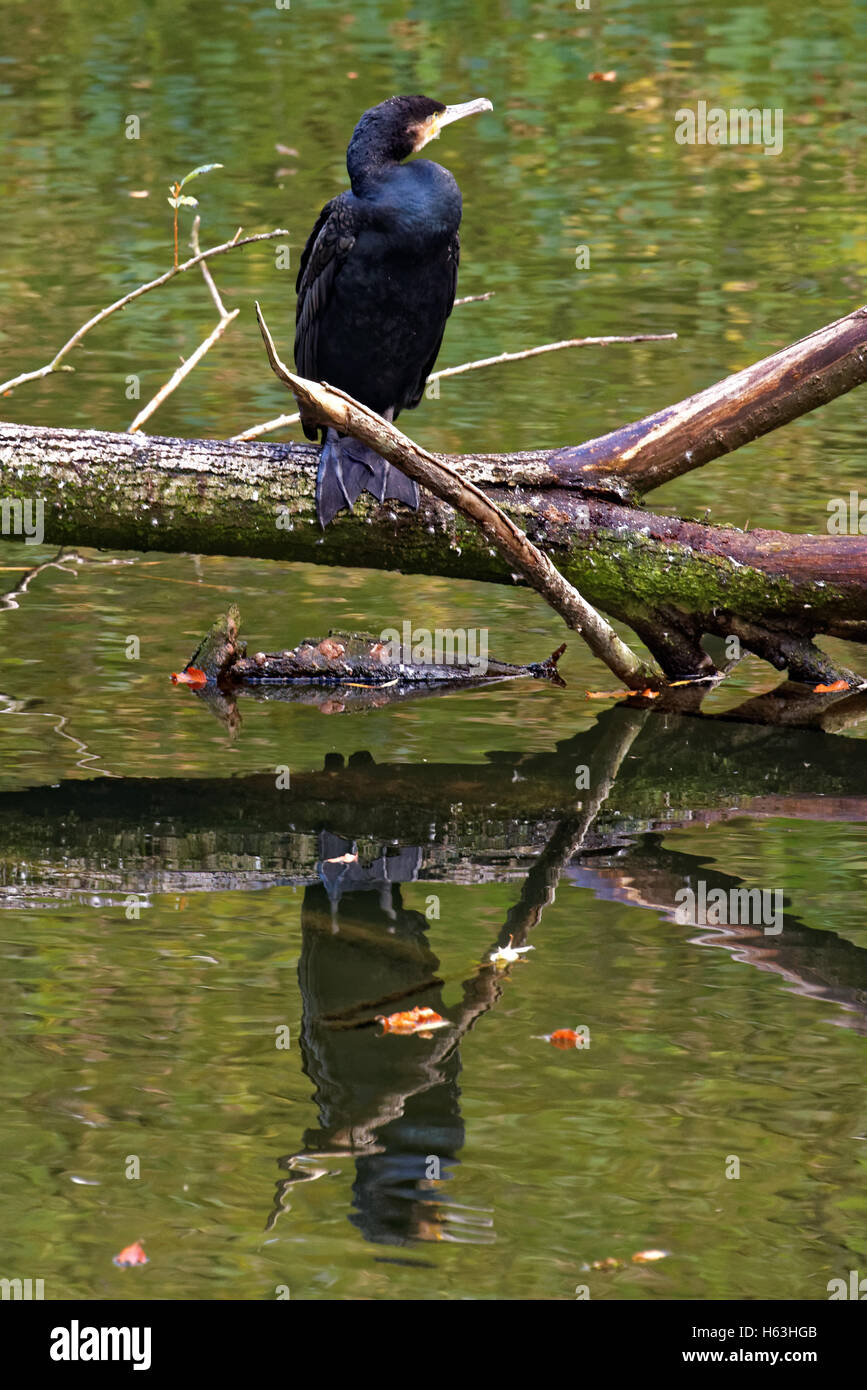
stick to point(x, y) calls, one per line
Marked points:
point(671, 580)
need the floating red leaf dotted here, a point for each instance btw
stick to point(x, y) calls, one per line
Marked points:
point(191, 676)
point(131, 1255)
point(418, 1020)
point(563, 1037)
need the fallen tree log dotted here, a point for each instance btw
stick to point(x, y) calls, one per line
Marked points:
point(670, 579)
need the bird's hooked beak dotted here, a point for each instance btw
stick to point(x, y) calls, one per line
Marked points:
point(431, 129)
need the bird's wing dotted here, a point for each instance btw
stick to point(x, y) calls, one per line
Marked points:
point(327, 247)
point(453, 261)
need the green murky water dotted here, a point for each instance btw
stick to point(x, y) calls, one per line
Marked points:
point(481, 1162)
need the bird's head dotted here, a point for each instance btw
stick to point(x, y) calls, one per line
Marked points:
point(401, 126)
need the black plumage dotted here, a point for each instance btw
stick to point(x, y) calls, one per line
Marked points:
point(376, 285)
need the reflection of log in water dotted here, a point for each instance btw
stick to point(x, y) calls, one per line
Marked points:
point(594, 809)
point(489, 819)
point(817, 963)
point(517, 816)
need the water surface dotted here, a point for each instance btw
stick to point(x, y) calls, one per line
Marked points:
point(154, 1036)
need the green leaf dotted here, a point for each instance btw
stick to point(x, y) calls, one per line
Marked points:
point(202, 169)
point(186, 202)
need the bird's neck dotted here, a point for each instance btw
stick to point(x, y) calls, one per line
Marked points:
point(367, 166)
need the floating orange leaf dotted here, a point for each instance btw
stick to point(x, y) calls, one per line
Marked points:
point(830, 689)
point(621, 694)
point(643, 1257)
point(418, 1020)
point(602, 76)
point(563, 1038)
point(191, 676)
point(131, 1255)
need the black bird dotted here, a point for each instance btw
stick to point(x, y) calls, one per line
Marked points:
point(376, 284)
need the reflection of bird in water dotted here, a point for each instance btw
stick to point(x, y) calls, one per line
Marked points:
point(341, 872)
point(391, 1104)
point(376, 284)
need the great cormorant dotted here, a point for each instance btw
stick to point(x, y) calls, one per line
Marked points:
point(376, 284)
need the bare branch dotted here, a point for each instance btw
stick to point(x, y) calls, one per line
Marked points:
point(267, 427)
point(55, 364)
point(548, 347)
point(206, 274)
point(281, 421)
point(725, 416)
point(184, 370)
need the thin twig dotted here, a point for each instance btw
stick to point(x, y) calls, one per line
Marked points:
point(336, 408)
point(548, 347)
point(177, 377)
point(206, 274)
point(184, 370)
point(54, 364)
point(62, 560)
point(267, 427)
point(474, 298)
point(281, 421)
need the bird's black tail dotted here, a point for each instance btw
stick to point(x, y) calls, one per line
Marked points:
point(347, 468)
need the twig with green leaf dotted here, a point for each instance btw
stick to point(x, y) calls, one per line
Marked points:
point(177, 201)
